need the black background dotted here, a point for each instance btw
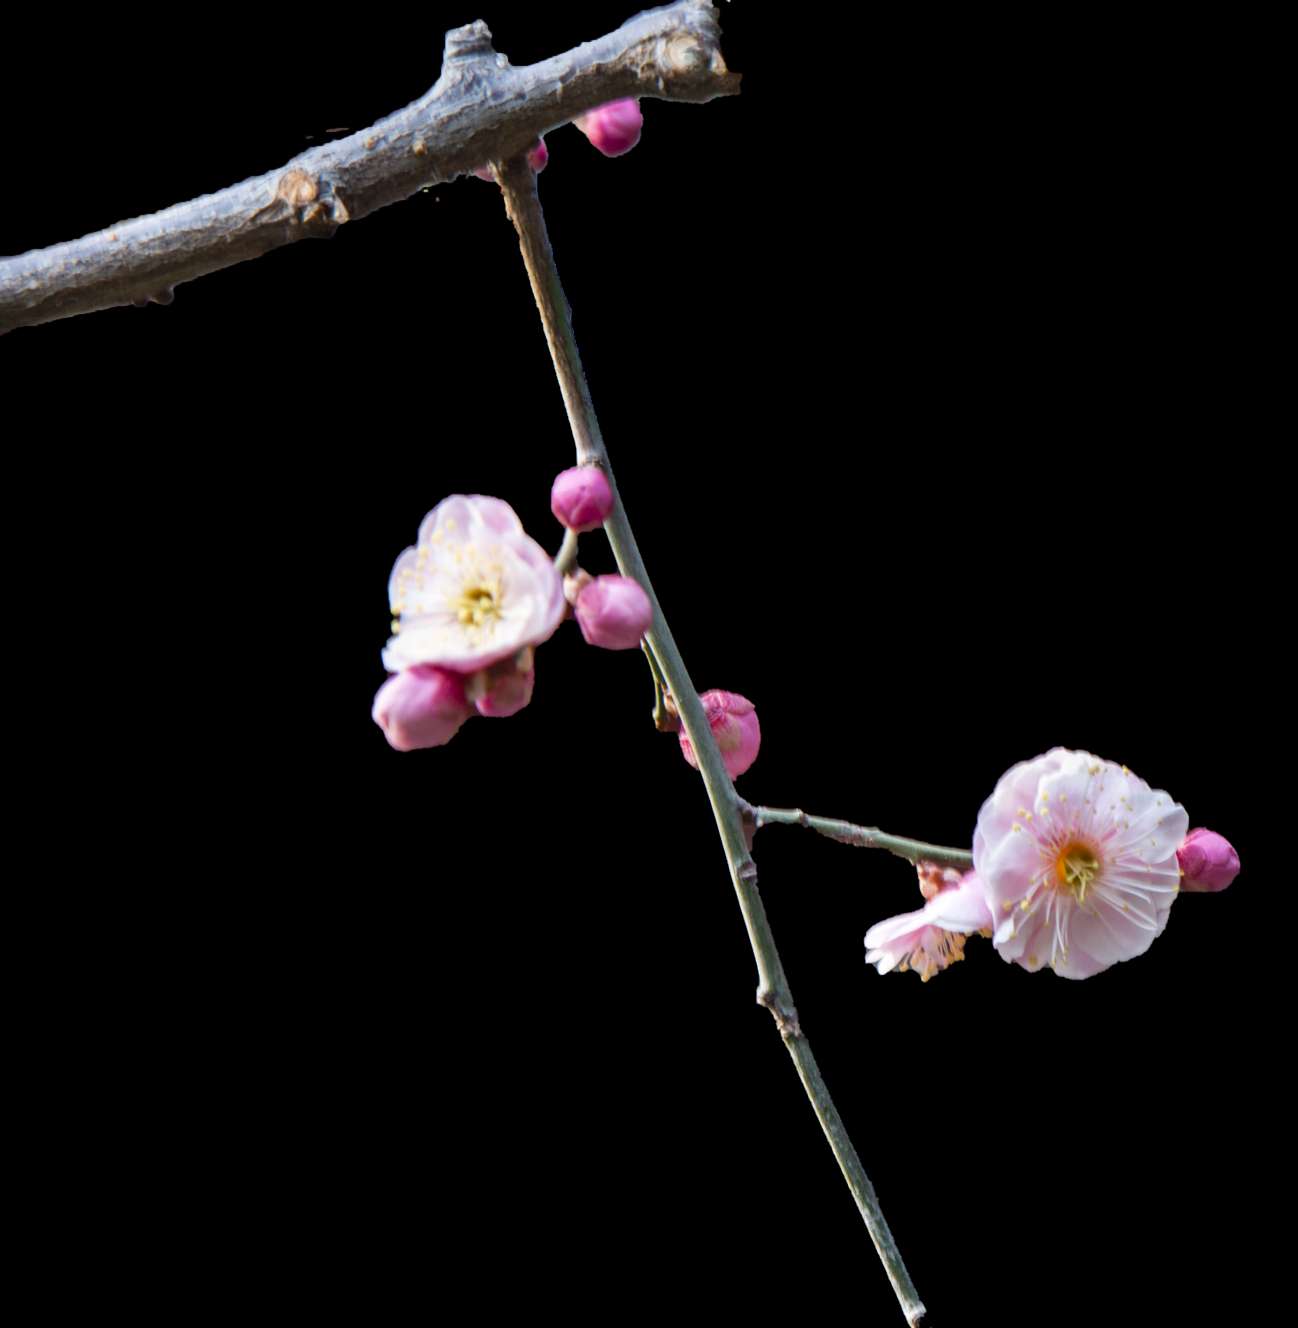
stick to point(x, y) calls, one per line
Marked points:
point(929, 370)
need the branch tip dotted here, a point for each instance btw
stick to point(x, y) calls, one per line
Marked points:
point(471, 42)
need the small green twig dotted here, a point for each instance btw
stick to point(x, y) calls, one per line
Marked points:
point(863, 836)
point(567, 555)
point(663, 721)
point(518, 183)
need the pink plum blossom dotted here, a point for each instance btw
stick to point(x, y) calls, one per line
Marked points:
point(613, 128)
point(474, 590)
point(581, 498)
point(613, 612)
point(1207, 861)
point(734, 725)
point(932, 938)
point(1078, 857)
point(421, 707)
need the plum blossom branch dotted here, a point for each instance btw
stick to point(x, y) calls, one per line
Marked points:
point(862, 836)
point(481, 108)
point(518, 182)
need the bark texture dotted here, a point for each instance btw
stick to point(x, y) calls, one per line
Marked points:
point(480, 110)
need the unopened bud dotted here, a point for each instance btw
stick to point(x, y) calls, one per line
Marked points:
point(1208, 861)
point(581, 498)
point(734, 728)
point(421, 707)
point(501, 696)
point(613, 128)
point(613, 612)
point(505, 687)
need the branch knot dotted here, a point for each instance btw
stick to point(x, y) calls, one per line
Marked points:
point(783, 1011)
point(471, 42)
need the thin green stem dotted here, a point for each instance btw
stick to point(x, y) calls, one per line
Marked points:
point(567, 555)
point(864, 836)
point(663, 721)
point(524, 207)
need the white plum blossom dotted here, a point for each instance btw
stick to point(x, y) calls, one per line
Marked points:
point(1078, 859)
point(475, 589)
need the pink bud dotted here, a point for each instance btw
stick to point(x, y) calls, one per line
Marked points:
point(505, 688)
point(613, 128)
point(734, 727)
point(421, 707)
point(613, 612)
point(536, 158)
point(1208, 862)
point(581, 498)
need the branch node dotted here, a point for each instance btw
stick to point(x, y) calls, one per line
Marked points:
point(297, 188)
point(685, 54)
point(782, 1011)
point(471, 42)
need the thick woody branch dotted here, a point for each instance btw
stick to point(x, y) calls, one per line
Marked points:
point(480, 109)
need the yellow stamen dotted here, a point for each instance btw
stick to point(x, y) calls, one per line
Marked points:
point(1077, 867)
point(477, 606)
point(935, 955)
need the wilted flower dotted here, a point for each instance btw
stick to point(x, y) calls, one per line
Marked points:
point(734, 725)
point(1207, 860)
point(933, 937)
point(613, 612)
point(613, 128)
point(421, 707)
point(474, 590)
point(1078, 857)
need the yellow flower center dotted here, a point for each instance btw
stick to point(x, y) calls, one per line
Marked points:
point(478, 605)
point(1077, 866)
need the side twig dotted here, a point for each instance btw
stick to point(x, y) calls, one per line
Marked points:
point(480, 109)
point(524, 207)
point(567, 555)
point(663, 721)
point(863, 836)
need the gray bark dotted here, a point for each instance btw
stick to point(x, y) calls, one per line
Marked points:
point(480, 110)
